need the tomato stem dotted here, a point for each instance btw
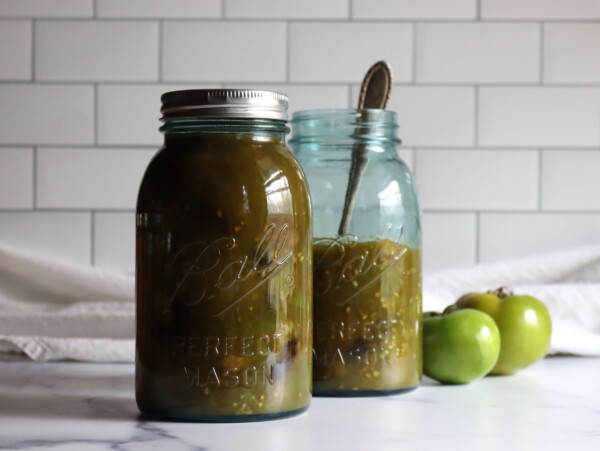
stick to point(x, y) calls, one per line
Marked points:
point(450, 309)
point(502, 292)
point(431, 315)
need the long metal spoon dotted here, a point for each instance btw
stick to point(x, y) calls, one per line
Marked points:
point(374, 94)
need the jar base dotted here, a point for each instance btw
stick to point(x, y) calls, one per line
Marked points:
point(223, 418)
point(360, 393)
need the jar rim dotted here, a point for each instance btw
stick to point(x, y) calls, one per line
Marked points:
point(339, 126)
point(385, 116)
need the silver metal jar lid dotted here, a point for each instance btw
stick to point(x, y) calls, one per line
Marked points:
point(233, 103)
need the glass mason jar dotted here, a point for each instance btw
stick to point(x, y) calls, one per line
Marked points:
point(223, 271)
point(367, 278)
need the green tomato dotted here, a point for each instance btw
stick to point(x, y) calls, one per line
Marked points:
point(459, 346)
point(484, 302)
point(524, 323)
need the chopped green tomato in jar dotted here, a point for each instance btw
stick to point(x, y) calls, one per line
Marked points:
point(223, 280)
point(367, 317)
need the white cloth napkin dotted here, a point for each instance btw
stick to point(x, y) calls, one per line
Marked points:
point(568, 282)
point(52, 310)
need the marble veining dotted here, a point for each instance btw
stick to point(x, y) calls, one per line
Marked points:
point(79, 406)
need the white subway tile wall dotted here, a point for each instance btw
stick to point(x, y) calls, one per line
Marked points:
point(340, 51)
point(408, 157)
point(16, 177)
point(411, 9)
point(498, 104)
point(114, 240)
point(289, 9)
point(451, 240)
point(116, 123)
point(512, 234)
point(539, 116)
point(572, 53)
point(159, 9)
point(46, 8)
point(540, 9)
point(463, 52)
point(37, 113)
point(96, 50)
point(571, 180)
point(89, 178)
point(221, 51)
point(15, 48)
point(433, 115)
point(51, 234)
point(305, 97)
point(478, 179)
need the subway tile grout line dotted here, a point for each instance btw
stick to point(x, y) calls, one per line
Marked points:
point(349, 94)
point(93, 238)
point(34, 171)
point(350, 11)
point(476, 116)
point(542, 46)
point(414, 53)
point(90, 146)
point(95, 9)
point(477, 237)
point(160, 51)
point(33, 50)
point(415, 163)
point(512, 211)
point(540, 170)
point(508, 148)
point(478, 10)
point(69, 210)
point(288, 46)
point(408, 145)
point(594, 212)
point(96, 114)
point(223, 10)
point(515, 85)
point(403, 20)
point(449, 148)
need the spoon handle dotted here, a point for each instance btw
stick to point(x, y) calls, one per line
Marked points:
point(374, 94)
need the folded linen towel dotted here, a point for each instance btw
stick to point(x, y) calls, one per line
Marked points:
point(568, 282)
point(52, 310)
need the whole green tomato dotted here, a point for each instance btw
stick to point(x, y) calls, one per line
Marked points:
point(459, 346)
point(524, 323)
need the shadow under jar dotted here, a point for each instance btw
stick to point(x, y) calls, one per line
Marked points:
point(223, 270)
point(367, 280)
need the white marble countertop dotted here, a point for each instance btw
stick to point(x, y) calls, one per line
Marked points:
point(554, 404)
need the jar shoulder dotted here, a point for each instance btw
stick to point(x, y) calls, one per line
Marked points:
point(379, 172)
point(198, 170)
point(386, 199)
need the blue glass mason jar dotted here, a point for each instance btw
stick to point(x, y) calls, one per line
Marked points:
point(367, 278)
point(223, 270)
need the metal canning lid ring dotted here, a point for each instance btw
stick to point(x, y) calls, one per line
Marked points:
point(232, 103)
